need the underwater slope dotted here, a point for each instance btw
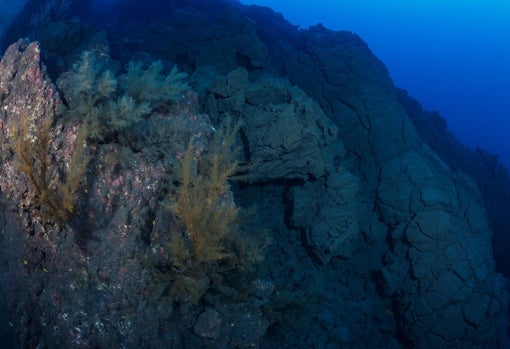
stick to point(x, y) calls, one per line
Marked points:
point(370, 238)
point(491, 176)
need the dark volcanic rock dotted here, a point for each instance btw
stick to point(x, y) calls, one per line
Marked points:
point(376, 240)
point(490, 175)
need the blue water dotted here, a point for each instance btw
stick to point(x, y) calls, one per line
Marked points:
point(8, 12)
point(453, 56)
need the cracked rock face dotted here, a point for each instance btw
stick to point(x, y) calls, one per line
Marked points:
point(328, 214)
point(286, 133)
point(376, 241)
point(440, 269)
point(289, 138)
point(438, 261)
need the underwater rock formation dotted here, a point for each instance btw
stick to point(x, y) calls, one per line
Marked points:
point(372, 237)
point(491, 177)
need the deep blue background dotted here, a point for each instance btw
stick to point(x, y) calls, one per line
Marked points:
point(453, 56)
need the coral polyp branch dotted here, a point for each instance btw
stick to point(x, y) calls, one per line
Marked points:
point(31, 144)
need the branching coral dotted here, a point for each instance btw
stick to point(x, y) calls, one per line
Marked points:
point(151, 85)
point(208, 240)
point(31, 145)
point(92, 94)
point(202, 201)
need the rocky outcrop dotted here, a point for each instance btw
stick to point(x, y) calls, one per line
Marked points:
point(438, 238)
point(376, 240)
point(290, 139)
point(491, 177)
point(89, 281)
point(285, 131)
point(429, 212)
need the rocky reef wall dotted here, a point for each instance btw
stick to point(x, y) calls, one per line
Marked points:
point(362, 234)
